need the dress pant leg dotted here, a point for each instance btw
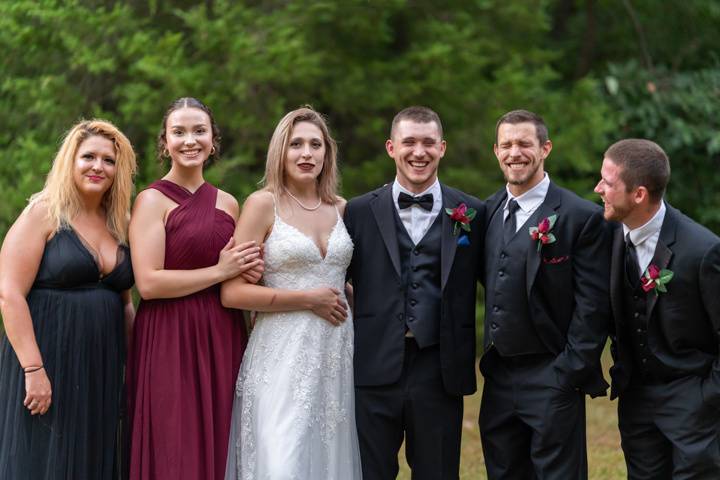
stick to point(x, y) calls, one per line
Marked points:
point(433, 418)
point(556, 414)
point(505, 438)
point(692, 426)
point(379, 419)
point(648, 454)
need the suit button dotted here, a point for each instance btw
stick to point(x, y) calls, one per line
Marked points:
point(501, 273)
point(411, 318)
point(414, 268)
point(502, 256)
point(639, 330)
point(636, 298)
point(642, 345)
point(413, 302)
point(416, 251)
point(496, 309)
point(494, 326)
point(400, 316)
point(414, 285)
point(636, 314)
point(644, 360)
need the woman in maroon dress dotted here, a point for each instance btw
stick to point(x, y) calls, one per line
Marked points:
point(187, 347)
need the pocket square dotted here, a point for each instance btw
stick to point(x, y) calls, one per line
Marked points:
point(463, 240)
point(555, 260)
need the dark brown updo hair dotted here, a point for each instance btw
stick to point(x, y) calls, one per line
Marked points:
point(188, 102)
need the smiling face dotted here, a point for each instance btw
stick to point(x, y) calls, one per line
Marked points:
point(417, 149)
point(94, 167)
point(619, 203)
point(521, 156)
point(305, 155)
point(188, 136)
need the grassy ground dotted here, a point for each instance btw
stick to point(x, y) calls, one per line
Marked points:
point(605, 458)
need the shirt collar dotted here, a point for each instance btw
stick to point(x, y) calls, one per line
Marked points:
point(434, 189)
point(652, 227)
point(531, 199)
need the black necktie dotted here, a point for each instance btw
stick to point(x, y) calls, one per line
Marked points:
point(424, 201)
point(510, 222)
point(632, 267)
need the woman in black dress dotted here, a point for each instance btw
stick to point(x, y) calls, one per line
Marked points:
point(65, 275)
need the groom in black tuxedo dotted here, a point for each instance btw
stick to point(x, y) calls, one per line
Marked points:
point(665, 295)
point(546, 313)
point(414, 271)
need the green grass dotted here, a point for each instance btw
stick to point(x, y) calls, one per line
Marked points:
point(605, 458)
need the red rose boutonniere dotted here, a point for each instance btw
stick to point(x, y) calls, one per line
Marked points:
point(462, 216)
point(542, 233)
point(655, 279)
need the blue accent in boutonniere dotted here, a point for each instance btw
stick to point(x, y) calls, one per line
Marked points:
point(463, 240)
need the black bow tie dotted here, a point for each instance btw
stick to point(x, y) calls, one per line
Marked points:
point(424, 201)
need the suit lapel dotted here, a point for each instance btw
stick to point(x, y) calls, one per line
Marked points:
point(663, 253)
point(617, 273)
point(448, 245)
point(547, 208)
point(383, 209)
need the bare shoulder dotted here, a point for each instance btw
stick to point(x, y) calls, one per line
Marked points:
point(37, 216)
point(152, 199)
point(341, 203)
point(261, 200)
point(228, 203)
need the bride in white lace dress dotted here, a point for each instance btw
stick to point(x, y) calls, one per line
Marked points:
point(294, 411)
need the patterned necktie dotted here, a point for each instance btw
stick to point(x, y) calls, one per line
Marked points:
point(510, 225)
point(632, 265)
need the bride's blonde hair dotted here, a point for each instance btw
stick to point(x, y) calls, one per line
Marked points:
point(60, 193)
point(274, 177)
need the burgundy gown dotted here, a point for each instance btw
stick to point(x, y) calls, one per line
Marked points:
point(185, 355)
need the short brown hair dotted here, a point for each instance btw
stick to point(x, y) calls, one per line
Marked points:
point(417, 114)
point(642, 163)
point(514, 117)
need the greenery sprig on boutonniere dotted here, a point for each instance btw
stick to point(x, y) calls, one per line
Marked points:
point(656, 278)
point(461, 216)
point(542, 233)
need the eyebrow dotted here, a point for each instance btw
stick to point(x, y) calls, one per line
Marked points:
point(194, 126)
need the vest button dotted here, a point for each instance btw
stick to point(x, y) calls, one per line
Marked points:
point(496, 308)
point(494, 326)
point(502, 256)
point(639, 330)
point(642, 345)
point(400, 316)
point(644, 360)
point(413, 302)
point(414, 285)
point(501, 273)
point(414, 268)
point(636, 314)
point(636, 298)
point(416, 251)
point(411, 318)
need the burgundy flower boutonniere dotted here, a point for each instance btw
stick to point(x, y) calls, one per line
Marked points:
point(461, 216)
point(542, 233)
point(655, 278)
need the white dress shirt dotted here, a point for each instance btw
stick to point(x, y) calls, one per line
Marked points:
point(417, 220)
point(528, 202)
point(645, 238)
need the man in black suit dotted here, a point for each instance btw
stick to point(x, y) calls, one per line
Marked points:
point(665, 295)
point(546, 313)
point(414, 271)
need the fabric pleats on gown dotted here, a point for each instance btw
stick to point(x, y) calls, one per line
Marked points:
point(186, 353)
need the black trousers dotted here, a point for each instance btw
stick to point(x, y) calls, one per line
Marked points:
point(532, 425)
point(669, 432)
point(416, 408)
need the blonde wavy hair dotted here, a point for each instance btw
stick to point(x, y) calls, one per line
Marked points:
point(274, 179)
point(61, 194)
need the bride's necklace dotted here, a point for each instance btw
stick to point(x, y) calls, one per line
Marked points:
point(309, 209)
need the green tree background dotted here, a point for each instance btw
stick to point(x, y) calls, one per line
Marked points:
point(597, 70)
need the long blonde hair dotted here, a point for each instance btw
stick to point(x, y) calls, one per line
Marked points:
point(61, 194)
point(274, 179)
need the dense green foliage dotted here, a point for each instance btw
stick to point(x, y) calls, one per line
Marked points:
point(597, 70)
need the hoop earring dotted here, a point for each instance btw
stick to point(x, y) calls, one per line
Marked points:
point(212, 150)
point(165, 153)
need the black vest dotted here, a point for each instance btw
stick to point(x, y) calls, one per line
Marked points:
point(507, 314)
point(646, 367)
point(420, 268)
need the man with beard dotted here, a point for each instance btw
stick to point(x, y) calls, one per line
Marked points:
point(546, 312)
point(665, 296)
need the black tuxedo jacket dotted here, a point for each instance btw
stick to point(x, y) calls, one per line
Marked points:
point(567, 286)
point(379, 293)
point(687, 316)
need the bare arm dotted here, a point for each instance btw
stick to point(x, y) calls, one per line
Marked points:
point(147, 239)
point(28, 236)
point(254, 225)
point(129, 315)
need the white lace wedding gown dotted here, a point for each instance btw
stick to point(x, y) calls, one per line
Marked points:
point(294, 410)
